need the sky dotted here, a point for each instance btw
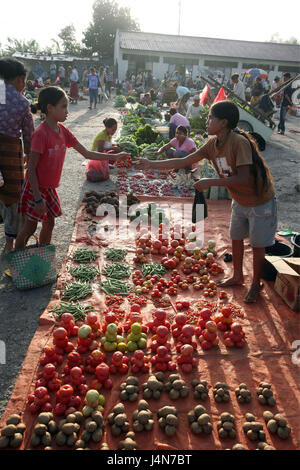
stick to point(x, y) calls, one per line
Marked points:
point(252, 20)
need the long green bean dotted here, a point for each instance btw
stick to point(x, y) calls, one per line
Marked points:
point(117, 270)
point(78, 310)
point(84, 255)
point(153, 268)
point(114, 286)
point(115, 254)
point(85, 272)
point(77, 290)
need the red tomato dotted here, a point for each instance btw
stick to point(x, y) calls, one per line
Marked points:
point(66, 391)
point(40, 392)
point(226, 311)
point(60, 333)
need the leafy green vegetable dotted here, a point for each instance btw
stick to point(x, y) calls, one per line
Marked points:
point(120, 101)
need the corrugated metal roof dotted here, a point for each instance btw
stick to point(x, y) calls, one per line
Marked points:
point(151, 42)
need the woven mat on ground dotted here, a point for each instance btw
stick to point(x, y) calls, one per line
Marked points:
point(270, 327)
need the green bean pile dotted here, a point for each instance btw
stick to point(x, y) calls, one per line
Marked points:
point(117, 270)
point(78, 310)
point(153, 268)
point(77, 290)
point(85, 272)
point(83, 255)
point(115, 254)
point(114, 286)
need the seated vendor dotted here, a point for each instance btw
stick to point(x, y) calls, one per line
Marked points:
point(176, 120)
point(146, 100)
point(180, 146)
point(103, 140)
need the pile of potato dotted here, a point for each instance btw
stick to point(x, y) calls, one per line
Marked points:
point(200, 389)
point(226, 426)
point(128, 443)
point(242, 394)
point(238, 446)
point(118, 420)
point(253, 429)
point(68, 429)
point(154, 386)
point(12, 433)
point(265, 394)
point(200, 421)
point(176, 387)
point(264, 446)
point(142, 417)
point(277, 424)
point(168, 420)
point(44, 431)
point(130, 389)
point(221, 392)
point(93, 430)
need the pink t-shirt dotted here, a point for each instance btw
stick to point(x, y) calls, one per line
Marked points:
point(179, 120)
point(187, 145)
point(52, 149)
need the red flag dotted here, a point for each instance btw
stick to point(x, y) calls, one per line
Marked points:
point(204, 95)
point(221, 96)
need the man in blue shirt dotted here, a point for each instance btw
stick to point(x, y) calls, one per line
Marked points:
point(183, 95)
point(286, 102)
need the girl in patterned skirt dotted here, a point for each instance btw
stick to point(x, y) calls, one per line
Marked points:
point(39, 200)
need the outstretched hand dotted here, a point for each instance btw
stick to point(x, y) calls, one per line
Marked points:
point(203, 184)
point(122, 156)
point(142, 164)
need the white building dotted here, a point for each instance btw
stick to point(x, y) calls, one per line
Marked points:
point(161, 53)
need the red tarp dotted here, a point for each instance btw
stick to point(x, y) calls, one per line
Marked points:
point(270, 327)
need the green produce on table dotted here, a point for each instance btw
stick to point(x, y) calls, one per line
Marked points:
point(77, 290)
point(117, 270)
point(85, 272)
point(114, 286)
point(84, 255)
point(120, 101)
point(78, 310)
point(148, 151)
point(131, 99)
point(115, 254)
point(129, 146)
point(152, 269)
point(146, 135)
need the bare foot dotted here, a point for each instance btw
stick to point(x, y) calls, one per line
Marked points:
point(231, 281)
point(253, 293)
point(9, 246)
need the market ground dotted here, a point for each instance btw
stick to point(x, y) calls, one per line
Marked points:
point(20, 311)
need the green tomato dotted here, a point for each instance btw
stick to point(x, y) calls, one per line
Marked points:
point(132, 346)
point(142, 343)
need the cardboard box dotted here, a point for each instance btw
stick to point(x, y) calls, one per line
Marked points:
point(287, 282)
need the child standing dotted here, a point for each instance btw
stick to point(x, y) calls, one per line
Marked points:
point(15, 123)
point(244, 173)
point(39, 200)
point(93, 87)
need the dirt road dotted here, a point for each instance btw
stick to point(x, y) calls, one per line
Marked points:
point(20, 311)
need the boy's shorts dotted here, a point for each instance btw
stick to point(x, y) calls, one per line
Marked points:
point(257, 223)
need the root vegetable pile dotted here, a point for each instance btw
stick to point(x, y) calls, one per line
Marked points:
point(200, 421)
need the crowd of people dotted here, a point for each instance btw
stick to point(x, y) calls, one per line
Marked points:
point(31, 197)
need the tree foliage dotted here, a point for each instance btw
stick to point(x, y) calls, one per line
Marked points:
point(68, 39)
point(107, 18)
point(276, 38)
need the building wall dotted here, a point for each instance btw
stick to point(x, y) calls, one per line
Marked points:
point(198, 65)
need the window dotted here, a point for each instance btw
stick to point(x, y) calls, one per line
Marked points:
point(286, 68)
point(220, 64)
point(180, 61)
